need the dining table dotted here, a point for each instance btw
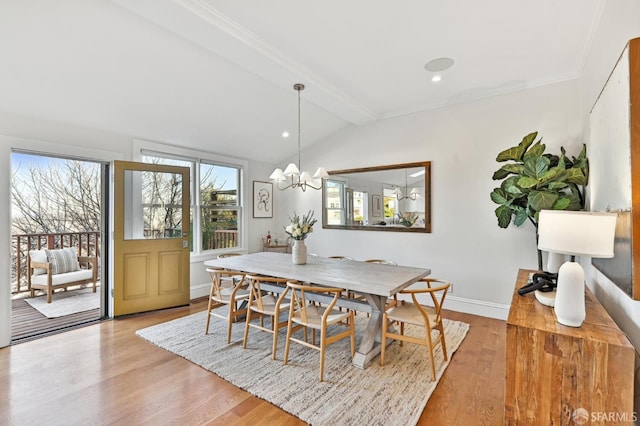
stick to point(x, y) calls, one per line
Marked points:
point(376, 282)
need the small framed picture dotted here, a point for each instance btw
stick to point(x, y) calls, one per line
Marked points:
point(376, 206)
point(262, 199)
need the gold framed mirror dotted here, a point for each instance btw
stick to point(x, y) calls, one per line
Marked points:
point(394, 198)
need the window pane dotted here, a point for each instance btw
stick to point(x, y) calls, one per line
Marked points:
point(219, 228)
point(153, 205)
point(218, 185)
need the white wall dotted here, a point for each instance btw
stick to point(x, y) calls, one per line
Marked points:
point(620, 23)
point(466, 245)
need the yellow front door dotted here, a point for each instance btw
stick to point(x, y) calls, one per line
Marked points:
point(151, 237)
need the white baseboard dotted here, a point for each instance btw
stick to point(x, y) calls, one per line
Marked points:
point(200, 290)
point(453, 303)
point(477, 307)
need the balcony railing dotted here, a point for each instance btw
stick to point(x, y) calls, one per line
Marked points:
point(87, 244)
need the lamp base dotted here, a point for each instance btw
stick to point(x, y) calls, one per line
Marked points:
point(569, 304)
point(547, 298)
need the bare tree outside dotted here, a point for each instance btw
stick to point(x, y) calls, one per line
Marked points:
point(52, 196)
point(55, 196)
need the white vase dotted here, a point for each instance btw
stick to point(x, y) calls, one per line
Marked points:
point(299, 253)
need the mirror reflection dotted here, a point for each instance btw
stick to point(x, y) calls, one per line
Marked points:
point(386, 198)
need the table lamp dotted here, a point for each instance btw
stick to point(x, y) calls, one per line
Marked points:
point(575, 233)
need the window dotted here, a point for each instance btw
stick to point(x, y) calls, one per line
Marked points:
point(216, 215)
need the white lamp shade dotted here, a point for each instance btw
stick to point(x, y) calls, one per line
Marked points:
point(577, 233)
point(397, 192)
point(415, 191)
point(277, 175)
point(291, 170)
point(306, 177)
point(321, 173)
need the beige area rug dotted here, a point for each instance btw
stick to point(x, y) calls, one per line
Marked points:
point(394, 394)
point(66, 302)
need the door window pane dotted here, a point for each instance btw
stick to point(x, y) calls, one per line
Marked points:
point(153, 205)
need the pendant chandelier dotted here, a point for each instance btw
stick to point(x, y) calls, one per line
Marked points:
point(292, 176)
point(413, 194)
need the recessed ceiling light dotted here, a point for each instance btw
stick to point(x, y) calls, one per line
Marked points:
point(285, 134)
point(439, 64)
point(436, 78)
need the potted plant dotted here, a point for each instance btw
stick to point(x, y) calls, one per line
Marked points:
point(534, 181)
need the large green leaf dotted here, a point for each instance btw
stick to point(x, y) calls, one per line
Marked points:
point(536, 166)
point(541, 200)
point(515, 153)
point(576, 176)
point(556, 186)
point(508, 169)
point(521, 217)
point(526, 182)
point(503, 214)
point(562, 203)
point(510, 186)
point(534, 152)
point(498, 196)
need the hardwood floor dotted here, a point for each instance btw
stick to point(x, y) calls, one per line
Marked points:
point(105, 374)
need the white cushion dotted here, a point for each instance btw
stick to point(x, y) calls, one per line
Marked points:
point(38, 256)
point(63, 260)
point(82, 274)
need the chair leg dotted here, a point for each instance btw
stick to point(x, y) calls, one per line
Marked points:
point(444, 345)
point(276, 328)
point(433, 360)
point(246, 329)
point(288, 343)
point(230, 317)
point(206, 327)
point(323, 347)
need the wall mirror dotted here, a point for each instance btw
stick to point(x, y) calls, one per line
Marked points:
point(394, 198)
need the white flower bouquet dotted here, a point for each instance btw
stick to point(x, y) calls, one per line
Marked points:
point(298, 230)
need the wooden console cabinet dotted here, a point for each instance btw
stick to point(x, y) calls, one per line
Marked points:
point(554, 370)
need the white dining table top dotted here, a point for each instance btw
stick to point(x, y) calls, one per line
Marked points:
point(360, 277)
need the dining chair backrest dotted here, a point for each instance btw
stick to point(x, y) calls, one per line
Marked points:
point(256, 295)
point(223, 255)
point(382, 261)
point(341, 257)
point(437, 289)
point(218, 275)
point(299, 300)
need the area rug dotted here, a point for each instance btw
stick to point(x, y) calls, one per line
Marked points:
point(66, 302)
point(396, 393)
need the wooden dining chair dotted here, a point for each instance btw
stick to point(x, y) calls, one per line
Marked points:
point(233, 297)
point(340, 257)
point(263, 304)
point(382, 262)
point(306, 315)
point(228, 281)
point(429, 317)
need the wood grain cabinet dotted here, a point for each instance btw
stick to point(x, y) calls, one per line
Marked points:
point(555, 373)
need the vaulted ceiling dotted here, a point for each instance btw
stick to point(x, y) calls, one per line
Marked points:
point(218, 74)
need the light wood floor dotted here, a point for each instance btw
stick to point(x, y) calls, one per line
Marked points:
point(105, 374)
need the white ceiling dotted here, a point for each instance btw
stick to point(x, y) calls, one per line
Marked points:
point(218, 74)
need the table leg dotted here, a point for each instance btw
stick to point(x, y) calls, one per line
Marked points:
point(370, 343)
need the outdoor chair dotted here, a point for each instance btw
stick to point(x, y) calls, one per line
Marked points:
point(60, 268)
